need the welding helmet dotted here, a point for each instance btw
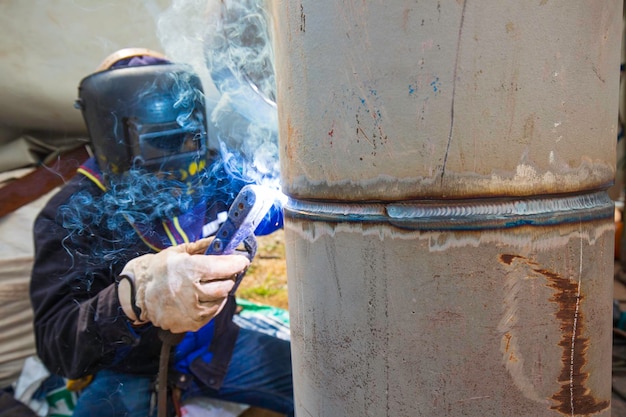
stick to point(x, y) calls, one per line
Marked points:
point(148, 115)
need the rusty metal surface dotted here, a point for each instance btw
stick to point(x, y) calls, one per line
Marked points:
point(478, 323)
point(574, 396)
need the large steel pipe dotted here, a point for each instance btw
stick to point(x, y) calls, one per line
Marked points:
point(449, 236)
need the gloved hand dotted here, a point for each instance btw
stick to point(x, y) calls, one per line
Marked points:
point(179, 289)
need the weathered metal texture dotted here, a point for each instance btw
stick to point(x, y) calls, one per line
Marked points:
point(449, 238)
point(396, 100)
point(399, 320)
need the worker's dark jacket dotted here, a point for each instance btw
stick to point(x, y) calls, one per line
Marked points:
point(79, 325)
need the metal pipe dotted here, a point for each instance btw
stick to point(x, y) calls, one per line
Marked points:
point(449, 236)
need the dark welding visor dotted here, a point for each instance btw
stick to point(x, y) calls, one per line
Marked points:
point(150, 117)
point(162, 142)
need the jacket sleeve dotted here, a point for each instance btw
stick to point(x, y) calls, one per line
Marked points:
point(79, 325)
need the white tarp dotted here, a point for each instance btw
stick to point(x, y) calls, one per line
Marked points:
point(17, 340)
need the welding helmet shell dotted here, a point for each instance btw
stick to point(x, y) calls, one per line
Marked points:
point(150, 117)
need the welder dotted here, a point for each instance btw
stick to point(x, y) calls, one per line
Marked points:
point(120, 255)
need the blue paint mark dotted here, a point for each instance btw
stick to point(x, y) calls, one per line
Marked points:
point(436, 85)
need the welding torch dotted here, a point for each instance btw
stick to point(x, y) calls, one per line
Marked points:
point(246, 213)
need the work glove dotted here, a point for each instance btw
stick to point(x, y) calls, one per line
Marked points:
point(179, 289)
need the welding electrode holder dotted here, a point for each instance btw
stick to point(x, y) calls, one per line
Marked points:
point(244, 216)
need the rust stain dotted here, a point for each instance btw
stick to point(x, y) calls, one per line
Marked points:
point(507, 336)
point(574, 398)
point(405, 19)
point(508, 259)
point(529, 128)
point(292, 139)
point(443, 317)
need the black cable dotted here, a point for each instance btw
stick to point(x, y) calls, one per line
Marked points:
point(169, 339)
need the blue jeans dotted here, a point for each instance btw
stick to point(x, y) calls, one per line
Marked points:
point(259, 375)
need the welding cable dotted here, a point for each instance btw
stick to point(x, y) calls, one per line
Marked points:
point(169, 339)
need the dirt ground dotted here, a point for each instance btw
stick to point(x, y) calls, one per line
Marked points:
point(266, 280)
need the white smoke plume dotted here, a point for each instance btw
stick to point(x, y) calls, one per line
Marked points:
point(227, 43)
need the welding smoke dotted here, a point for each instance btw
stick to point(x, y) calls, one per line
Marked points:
point(139, 198)
point(227, 43)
